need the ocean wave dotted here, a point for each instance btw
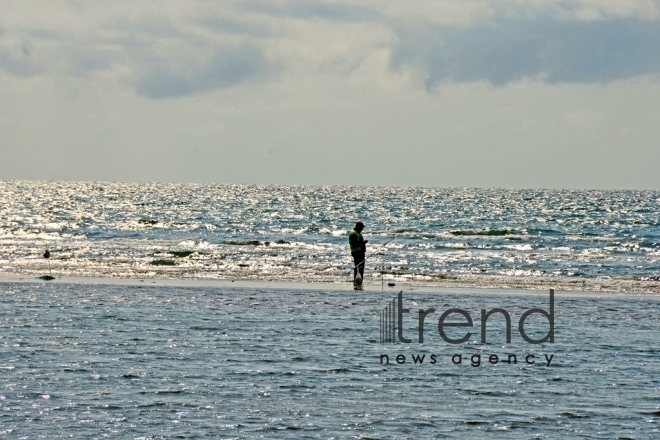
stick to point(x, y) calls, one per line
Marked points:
point(299, 232)
point(484, 232)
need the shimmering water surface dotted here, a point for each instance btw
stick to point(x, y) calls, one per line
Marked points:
point(158, 361)
point(578, 240)
point(177, 358)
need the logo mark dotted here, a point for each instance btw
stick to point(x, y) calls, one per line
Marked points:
point(391, 323)
point(388, 323)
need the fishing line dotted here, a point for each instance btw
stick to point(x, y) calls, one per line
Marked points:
point(382, 247)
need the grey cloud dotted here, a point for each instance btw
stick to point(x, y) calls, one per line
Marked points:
point(69, 58)
point(227, 67)
point(20, 63)
point(44, 52)
point(506, 52)
point(172, 69)
point(83, 61)
point(234, 27)
point(306, 10)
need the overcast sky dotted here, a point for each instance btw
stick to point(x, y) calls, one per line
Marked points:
point(447, 93)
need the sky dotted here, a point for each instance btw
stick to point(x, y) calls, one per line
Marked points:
point(438, 93)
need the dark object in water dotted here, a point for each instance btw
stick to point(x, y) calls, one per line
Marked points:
point(46, 278)
point(391, 284)
point(181, 254)
point(47, 254)
point(163, 263)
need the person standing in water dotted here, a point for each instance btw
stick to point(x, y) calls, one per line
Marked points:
point(359, 252)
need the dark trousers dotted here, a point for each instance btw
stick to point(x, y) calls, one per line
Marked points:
point(358, 259)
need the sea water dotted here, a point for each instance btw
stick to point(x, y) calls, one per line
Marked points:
point(182, 347)
point(159, 361)
point(538, 239)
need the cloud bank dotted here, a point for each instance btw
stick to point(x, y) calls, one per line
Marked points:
point(552, 51)
point(225, 67)
point(502, 93)
point(186, 52)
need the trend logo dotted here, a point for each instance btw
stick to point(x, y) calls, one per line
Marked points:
point(392, 331)
point(391, 323)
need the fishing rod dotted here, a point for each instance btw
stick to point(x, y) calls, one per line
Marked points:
point(382, 247)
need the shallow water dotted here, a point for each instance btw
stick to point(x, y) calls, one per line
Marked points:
point(130, 361)
point(579, 240)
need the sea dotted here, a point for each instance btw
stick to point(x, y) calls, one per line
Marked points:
point(460, 237)
point(227, 311)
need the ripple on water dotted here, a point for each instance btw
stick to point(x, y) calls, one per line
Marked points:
point(177, 361)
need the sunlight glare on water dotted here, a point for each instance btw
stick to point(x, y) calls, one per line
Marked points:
point(129, 361)
point(578, 240)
